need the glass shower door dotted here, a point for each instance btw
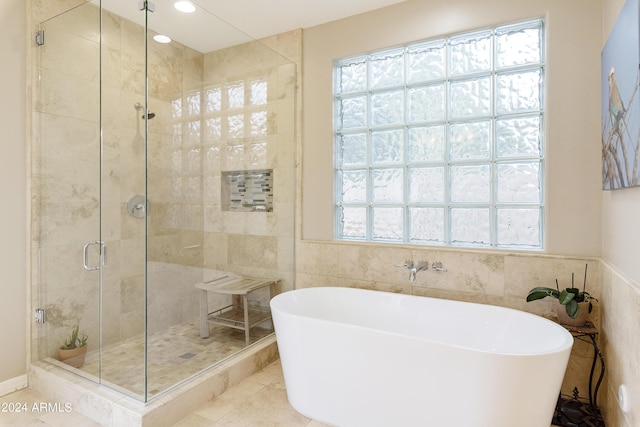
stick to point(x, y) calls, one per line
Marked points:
point(88, 173)
point(67, 255)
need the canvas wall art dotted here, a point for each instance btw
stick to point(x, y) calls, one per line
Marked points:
point(620, 112)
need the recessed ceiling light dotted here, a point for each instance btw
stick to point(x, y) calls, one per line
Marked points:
point(161, 39)
point(185, 6)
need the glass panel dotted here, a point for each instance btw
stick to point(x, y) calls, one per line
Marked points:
point(453, 130)
point(470, 226)
point(387, 146)
point(244, 125)
point(352, 112)
point(470, 53)
point(470, 183)
point(235, 127)
point(258, 95)
point(470, 140)
point(213, 100)
point(193, 104)
point(352, 76)
point(352, 149)
point(213, 129)
point(519, 182)
point(258, 122)
point(470, 98)
point(518, 92)
point(387, 108)
point(353, 186)
point(387, 185)
point(352, 222)
point(519, 227)
point(519, 44)
point(235, 95)
point(65, 180)
point(427, 225)
point(388, 224)
point(519, 137)
point(426, 103)
point(426, 143)
point(426, 185)
point(426, 61)
point(387, 69)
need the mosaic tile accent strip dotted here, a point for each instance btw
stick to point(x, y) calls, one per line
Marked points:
point(248, 191)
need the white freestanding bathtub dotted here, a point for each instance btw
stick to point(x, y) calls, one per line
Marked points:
point(354, 357)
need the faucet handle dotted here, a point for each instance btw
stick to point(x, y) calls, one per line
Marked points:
point(407, 264)
point(437, 266)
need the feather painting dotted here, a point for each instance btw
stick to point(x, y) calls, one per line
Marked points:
point(621, 115)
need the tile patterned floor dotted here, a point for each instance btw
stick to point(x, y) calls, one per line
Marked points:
point(175, 354)
point(260, 400)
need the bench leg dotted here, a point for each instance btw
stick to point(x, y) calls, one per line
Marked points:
point(245, 305)
point(204, 314)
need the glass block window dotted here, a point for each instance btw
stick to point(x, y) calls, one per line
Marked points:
point(235, 112)
point(441, 142)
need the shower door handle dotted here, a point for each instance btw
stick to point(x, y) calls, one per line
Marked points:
point(103, 255)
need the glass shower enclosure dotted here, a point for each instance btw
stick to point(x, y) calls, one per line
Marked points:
point(163, 155)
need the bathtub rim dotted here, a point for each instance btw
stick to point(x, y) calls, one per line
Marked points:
point(564, 346)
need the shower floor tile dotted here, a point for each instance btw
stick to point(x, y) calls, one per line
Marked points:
point(173, 356)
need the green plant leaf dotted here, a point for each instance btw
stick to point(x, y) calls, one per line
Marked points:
point(572, 308)
point(541, 292)
point(566, 296)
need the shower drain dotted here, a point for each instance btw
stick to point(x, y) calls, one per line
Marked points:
point(187, 355)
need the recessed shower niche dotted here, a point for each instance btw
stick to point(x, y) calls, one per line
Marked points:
point(247, 191)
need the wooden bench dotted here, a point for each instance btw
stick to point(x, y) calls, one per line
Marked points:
point(236, 316)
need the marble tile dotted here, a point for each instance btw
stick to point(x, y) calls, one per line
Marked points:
point(259, 400)
point(38, 409)
point(47, 9)
point(620, 301)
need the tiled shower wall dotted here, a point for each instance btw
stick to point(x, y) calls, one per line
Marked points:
point(256, 132)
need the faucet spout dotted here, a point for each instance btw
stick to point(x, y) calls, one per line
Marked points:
point(413, 268)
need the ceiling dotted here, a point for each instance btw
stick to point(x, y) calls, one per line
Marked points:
point(221, 23)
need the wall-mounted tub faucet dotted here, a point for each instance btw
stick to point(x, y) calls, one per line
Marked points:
point(414, 267)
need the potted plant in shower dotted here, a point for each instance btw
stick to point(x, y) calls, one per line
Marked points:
point(73, 350)
point(574, 304)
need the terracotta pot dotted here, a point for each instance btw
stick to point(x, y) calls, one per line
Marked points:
point(581, 318)
point(73, 357)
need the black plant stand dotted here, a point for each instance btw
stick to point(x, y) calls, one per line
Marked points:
point(571, 411)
